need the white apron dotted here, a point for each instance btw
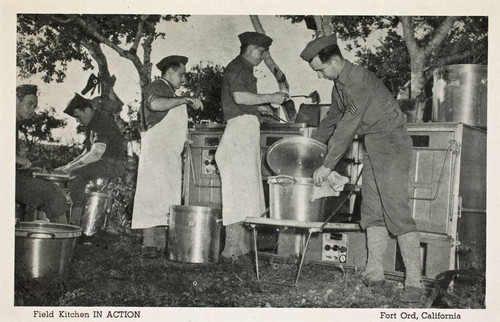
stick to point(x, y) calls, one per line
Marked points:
point(239, 161)
point(160, 169)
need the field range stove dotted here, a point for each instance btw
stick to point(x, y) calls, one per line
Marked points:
point(447, 196)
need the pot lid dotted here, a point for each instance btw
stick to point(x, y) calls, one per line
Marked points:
point(296, 156)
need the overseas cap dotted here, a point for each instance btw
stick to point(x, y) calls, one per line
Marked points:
point(255, 38)
point(165, 62)
point(76, 102)
point(315, 46)
point(26, 89)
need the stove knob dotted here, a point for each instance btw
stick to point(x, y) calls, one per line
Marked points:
point(342, 258)
point(343, 249)
point(327, 247)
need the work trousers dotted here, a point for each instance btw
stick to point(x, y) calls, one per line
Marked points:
point(386, 171)
point(42, 195)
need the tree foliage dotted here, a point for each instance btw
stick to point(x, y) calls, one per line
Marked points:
point(205, 82)
point(40, 127)
point(466, 42)
point(47, 43)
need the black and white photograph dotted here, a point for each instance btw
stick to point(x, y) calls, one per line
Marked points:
point(269, 161)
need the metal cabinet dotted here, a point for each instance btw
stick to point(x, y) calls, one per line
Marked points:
point(448, 201)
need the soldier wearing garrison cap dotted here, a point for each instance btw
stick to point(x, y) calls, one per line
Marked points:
point(164, 120)
point(362, 105)
point(103, 156)
point(238, 154)
point(30, 191)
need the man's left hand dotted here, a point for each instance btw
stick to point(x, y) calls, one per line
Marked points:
point(320, 175)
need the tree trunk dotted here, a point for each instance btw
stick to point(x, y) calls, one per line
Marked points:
point(324, 25)
point(95, 51)
point(268, 60)
point(418, 56)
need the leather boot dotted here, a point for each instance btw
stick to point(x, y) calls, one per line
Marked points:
point(409, 244)
point(376, 241)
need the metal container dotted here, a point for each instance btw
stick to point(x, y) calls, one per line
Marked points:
point(44, 249)
point(62, 180)
point(296, 156)
point(460, 94)
point(97, 207)
point(194, 234)
point(96, 185)
point(290, 199)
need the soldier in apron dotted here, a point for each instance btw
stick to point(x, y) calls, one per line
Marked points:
point(238, 155)
point(165, 124)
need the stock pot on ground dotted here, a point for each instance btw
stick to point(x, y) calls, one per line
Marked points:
point(194, 234)
point(44, 249)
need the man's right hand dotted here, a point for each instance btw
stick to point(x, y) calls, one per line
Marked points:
point(264, 109)
point(279, 98)
point(195, 103)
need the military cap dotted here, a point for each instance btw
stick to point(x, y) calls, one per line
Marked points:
point(165, 62)
point(255, 38)
point(315, 46)
point(77, 101)
point(26, 89)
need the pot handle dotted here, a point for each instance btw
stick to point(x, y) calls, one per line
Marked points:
point(282, 180)
point(41, 234)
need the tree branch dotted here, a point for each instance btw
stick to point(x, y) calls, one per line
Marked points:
point(319, 25)
point(94, 33)
point(273, 67)
point(409, 34)
point(138, 34)
point(327, 25)
point(439, 36)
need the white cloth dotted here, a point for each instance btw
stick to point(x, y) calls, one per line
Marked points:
point(159, 176)
point(331, 187)
point(239, 161)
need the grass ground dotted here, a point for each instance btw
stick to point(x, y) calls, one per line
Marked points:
point(110, 271)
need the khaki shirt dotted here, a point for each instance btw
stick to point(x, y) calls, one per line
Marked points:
point(361, 104)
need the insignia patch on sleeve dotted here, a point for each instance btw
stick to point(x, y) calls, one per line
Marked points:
point(351, 108)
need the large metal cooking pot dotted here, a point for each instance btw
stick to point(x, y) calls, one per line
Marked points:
point(194, 234)
point(460, 94)
point(290, 199)
point(294, 160)
point(44, 249)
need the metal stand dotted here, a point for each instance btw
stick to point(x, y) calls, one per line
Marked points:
point(312, 227)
